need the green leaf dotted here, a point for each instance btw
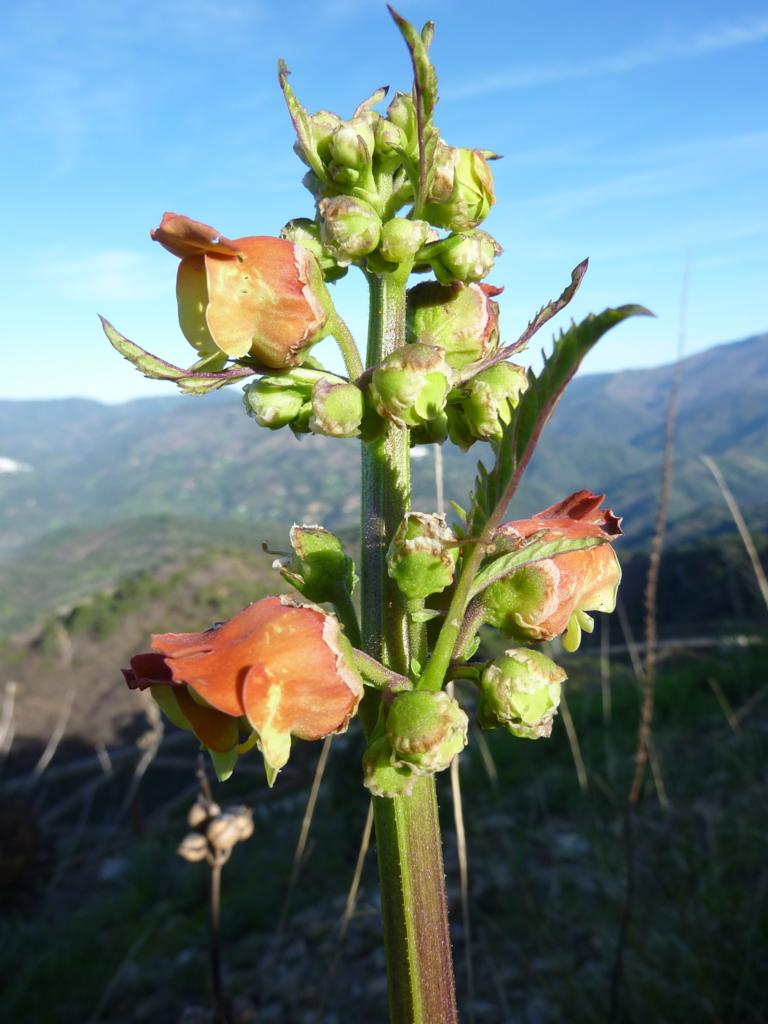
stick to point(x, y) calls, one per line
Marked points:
point(425, 98)
point(495, 489)
point(539, 546)
point(301, 122)
point(189, 381)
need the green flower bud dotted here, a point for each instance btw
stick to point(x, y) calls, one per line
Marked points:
point(322, 125)
point(306, 233)
point(422, 555)
point(471, 260)
point(270, 405)
point(337, 409)
point(434, 431)
point(402, 112)
point(350, 228)
point(460, 193)
point(351, 144)
point(463, 320)
point(521, 691)
point(380, 776)
point(492, 395)
point(426, 729)
point(390, 143)
point(401, 238)
point(411, 385)
point(319, 567)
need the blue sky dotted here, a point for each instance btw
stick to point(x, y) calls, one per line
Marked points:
point(633, 133)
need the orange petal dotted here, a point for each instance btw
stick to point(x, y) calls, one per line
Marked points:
point(214, 729)
point(185, 237)
point(263, 303)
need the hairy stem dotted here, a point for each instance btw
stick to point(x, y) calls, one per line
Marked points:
point(414, 908)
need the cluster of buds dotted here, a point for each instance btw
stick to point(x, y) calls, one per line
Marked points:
point(214, 832)
point(363, 170)
point(306, 400)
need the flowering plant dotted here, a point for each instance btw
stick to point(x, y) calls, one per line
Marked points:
point(391, 199)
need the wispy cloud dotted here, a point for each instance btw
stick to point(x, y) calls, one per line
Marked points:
point(663, 49)
point(112, 275)
point(663, 171)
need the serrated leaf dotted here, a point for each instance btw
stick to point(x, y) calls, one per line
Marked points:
point(545, 314)
point(537, 548)
point(424, 95)
point(301, 123)
point(494, 490)
point(188, 381)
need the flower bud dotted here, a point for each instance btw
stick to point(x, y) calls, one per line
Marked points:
point(463, 320)
point(380, 776)
point(351, 145)
point(411, 385)
point(426, 729)
point(320, 566)
point(521, 691)
point(434, 431)
point(422, 555)
point(460, 194)
point(389, 144)
point(350, 228)
point(306, 233)
point(322, 125)
point(193, 847)
point(402, 113)
point(470, 260)
point(270, 405)
point(337, 409)
point(401, 238)
point(492, 396)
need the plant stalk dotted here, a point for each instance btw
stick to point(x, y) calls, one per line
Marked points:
point(414, 906)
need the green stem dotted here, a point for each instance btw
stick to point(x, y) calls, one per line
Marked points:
point(414, 908)
point(346, 342)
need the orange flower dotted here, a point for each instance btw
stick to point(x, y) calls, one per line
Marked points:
point(542, 600)
point(257, 296)
point(286, 667)
point(216, 731)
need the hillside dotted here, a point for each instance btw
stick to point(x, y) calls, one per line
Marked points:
point(74, 463)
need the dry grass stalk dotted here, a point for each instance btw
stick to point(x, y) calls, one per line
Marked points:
point(461, 848)
point(349, 909)
point(573, 743)
point(741, 526)
point(301, 844)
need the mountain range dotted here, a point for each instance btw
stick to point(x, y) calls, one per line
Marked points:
point(72, 470)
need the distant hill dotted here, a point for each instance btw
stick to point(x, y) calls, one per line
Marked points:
point(77, 463)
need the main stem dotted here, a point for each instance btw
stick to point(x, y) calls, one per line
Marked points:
point(413, 902)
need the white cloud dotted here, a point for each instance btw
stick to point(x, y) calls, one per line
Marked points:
point(655, 51)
